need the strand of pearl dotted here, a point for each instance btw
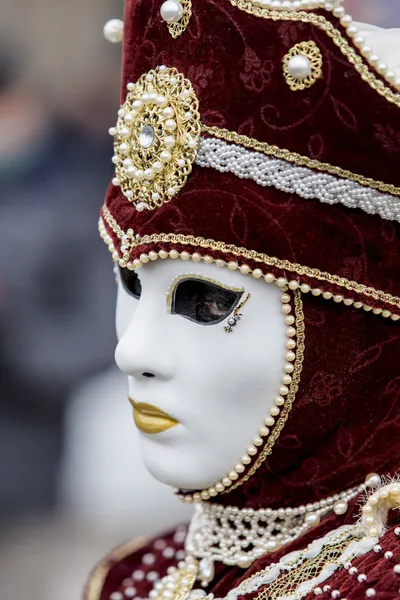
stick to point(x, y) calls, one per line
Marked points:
point(239, 536)
point(272, 172)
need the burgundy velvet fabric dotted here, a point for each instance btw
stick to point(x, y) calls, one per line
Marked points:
point(234, 61)
point(379, 570)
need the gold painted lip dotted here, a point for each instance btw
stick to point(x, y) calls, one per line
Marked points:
point(150, 419)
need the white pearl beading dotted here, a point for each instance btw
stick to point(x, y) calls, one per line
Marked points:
point(244, 269)
point(240, 536)
point(288, 177)
point(389, 75)
point(293, 284)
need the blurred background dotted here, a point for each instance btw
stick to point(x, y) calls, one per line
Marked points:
point(72, 485)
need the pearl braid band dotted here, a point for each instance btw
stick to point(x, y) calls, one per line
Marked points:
point(238, 537)
point(287, 177)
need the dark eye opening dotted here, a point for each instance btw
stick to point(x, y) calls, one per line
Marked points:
point(203, 302)
point(131, 282)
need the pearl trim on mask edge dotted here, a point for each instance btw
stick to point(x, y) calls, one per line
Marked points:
point(305, 288)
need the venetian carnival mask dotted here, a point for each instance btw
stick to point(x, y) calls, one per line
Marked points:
point(256, 247)
point(202, 382)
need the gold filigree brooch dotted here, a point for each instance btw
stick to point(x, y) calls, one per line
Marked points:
point(156, 138)
point(302, 65)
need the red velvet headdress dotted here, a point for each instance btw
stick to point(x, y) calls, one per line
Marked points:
point(267, 139)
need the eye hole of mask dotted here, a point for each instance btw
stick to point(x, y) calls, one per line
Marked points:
point(203, 302)
point(131, 282)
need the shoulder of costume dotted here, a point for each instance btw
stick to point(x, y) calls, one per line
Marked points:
point(130, 569)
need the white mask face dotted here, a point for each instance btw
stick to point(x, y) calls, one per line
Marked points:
point(215, 388)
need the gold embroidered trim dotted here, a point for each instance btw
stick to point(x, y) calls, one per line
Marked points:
point(311, 51)
point(94, 586)
point(112, 222)
point(286, 265)
point(293, 388)
point(347, 50)
point(298, 159)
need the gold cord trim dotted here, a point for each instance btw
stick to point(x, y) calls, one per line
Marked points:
point(94, 586)
point(298, 159)
point(286, 265)
point(322, 23)
point(112, 222)
point(294, 386)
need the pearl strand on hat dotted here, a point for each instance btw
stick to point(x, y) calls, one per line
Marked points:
point(367, 52)
point(268, 171)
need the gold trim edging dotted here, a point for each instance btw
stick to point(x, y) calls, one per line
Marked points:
point(210, 244)
point(94, 586)
point(322, 23)
point(294, 386)
point(189, 240)
point(298, 159)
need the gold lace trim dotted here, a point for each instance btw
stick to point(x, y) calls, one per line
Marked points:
point(298, 159)
point(293, 388)
point(289, 581)
point(94, 586)
point(347, 50)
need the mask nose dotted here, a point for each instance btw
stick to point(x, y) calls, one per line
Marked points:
point(143, 351)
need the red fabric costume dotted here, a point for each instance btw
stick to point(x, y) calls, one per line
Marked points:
point(345, 419)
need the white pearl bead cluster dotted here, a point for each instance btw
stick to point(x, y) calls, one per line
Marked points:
point(239, 536)
point(288, 177)
point(374, 512)
point(113, 31)
point(305, 288)
point(367, 52)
